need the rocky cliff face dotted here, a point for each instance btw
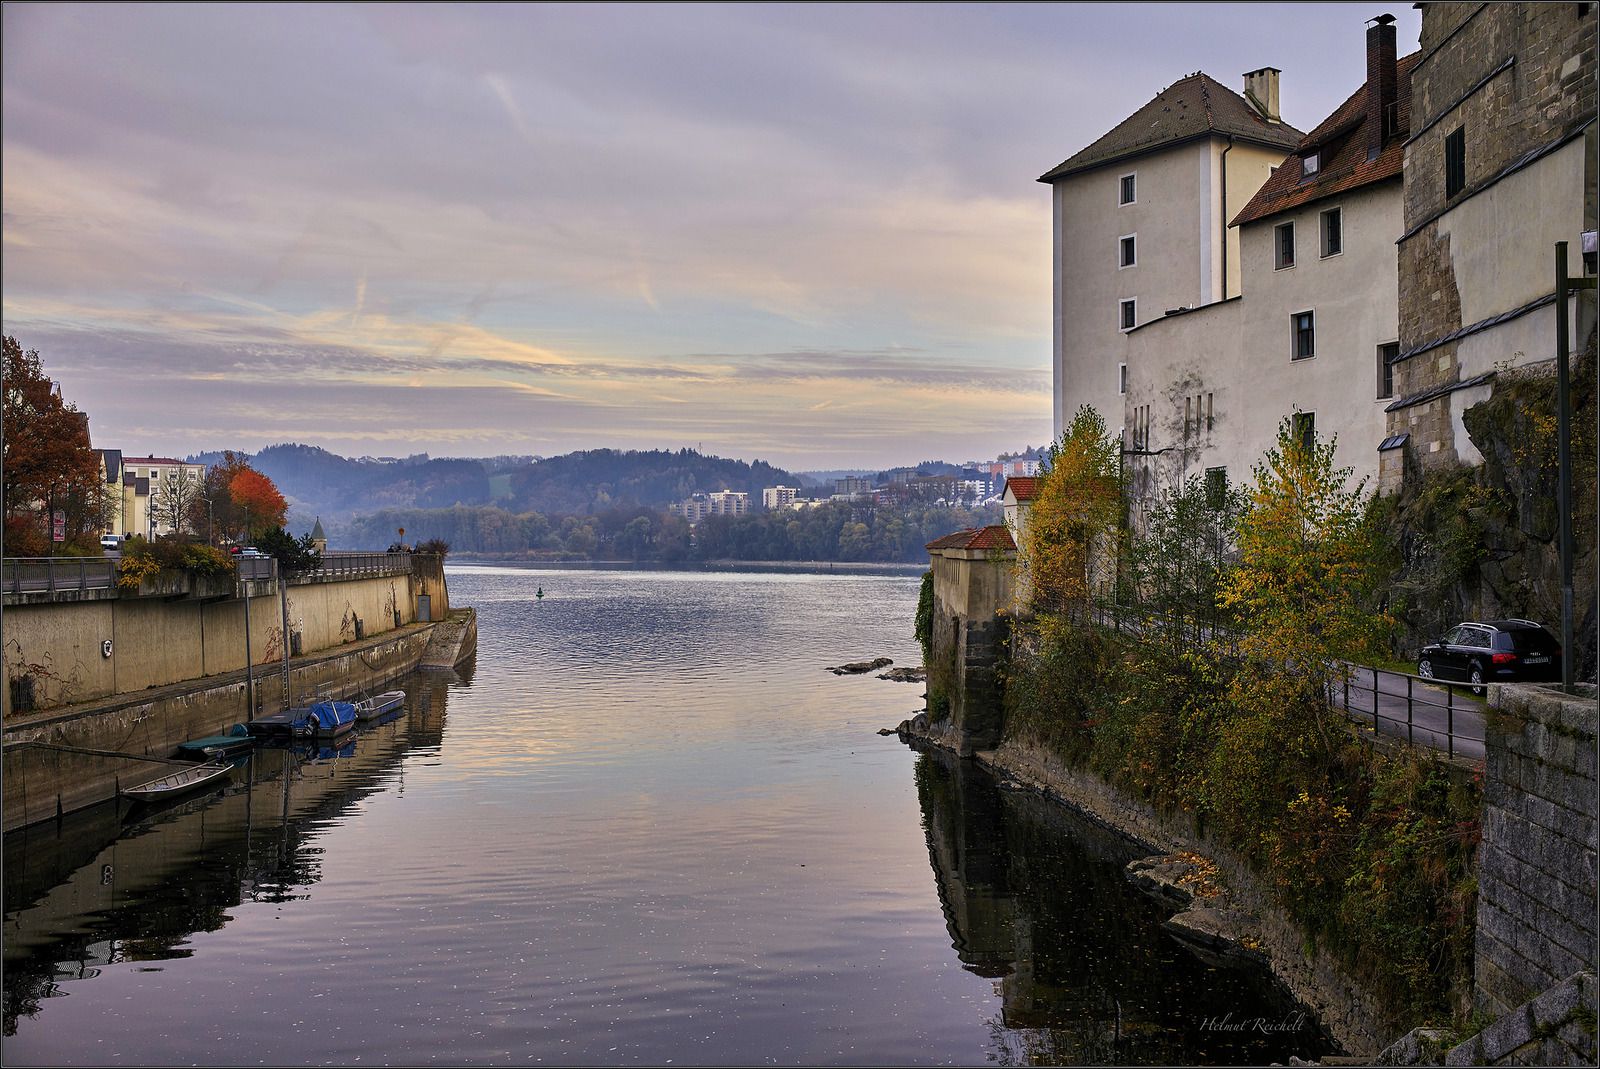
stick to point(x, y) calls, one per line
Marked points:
point(1483, 543)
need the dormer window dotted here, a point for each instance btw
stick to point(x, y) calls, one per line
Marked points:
point(1310, 165)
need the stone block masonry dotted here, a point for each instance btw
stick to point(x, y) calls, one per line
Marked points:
point(1536, 865)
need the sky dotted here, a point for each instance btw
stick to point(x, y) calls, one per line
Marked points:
point(806, 234)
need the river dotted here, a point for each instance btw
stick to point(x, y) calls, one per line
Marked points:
point(645, 826)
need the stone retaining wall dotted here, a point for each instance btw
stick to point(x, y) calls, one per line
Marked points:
point(1536, 866)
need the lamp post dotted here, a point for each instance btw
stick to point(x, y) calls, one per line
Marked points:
point(1564, 288)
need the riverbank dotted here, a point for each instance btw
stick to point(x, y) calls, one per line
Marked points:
point(65, 759)
point(808, 567)
point(1251, 924)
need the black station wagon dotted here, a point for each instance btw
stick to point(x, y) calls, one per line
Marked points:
point(1498, 651)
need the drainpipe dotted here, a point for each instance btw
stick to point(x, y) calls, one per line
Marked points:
point(1225, 216)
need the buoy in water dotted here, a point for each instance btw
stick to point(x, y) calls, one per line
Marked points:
point(540, 593)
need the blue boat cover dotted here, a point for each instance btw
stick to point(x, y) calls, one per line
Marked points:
point(331, 714)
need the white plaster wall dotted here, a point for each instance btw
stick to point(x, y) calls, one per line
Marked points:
point(1502, 242)
point(1177, 217)
point(1240, 351)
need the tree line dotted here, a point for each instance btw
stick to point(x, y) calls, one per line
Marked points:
point(837, 531)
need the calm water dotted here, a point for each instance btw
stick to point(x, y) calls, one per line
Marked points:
point(645, 826)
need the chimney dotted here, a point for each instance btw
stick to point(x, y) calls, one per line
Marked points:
point(1382, 84)
point(1261, 90)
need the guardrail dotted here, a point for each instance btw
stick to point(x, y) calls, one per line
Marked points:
point(57, 574)
point(358, 565)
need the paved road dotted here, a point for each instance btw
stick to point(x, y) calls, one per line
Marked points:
point(1436, 710)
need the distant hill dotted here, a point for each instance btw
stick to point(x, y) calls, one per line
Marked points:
point(336, 488)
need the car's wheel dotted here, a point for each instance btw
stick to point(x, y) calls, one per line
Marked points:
point(1477, 681)
point(1425, 668)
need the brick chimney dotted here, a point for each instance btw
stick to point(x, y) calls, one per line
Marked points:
point(1382, 83)
point(1261, 91)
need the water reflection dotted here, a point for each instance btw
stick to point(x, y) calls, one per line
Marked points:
point(1035, 899)
point(127, 883)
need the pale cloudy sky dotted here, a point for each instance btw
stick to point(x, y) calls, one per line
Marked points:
point(807, 234)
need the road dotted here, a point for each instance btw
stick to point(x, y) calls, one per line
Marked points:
point(1437, 710)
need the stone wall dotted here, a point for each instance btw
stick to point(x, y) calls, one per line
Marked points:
point(1536, 866)
point(1517, 79)
point(48, 771)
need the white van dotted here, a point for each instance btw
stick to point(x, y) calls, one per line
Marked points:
point(110, 542)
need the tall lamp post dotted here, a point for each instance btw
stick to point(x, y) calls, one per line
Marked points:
point(1565, 287)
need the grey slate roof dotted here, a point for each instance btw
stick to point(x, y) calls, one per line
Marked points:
point(316, 530)
point(1191, 107)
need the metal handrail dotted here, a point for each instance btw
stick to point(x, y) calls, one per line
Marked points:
point(57, 574)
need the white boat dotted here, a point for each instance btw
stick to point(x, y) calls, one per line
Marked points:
point(376, 706)
point(177, 783)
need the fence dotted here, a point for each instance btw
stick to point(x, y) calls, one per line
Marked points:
point(58, 574)
point(1398, 705)
point(358, 565)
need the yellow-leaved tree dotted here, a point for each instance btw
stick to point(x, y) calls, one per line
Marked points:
point(1299, 591)
point(1069, 539)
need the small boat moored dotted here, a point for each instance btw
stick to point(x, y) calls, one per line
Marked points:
point(238, 738)
point(176, 783)
point(327, 719)
point(377, 705)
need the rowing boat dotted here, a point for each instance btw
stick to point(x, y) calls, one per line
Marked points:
point(188, 779)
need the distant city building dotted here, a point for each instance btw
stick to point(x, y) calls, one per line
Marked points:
point(852, 484)
point(139, 485)
point(729, 502)
point(693, 509)
point(774, 498)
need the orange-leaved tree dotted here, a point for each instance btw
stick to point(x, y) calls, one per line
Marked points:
point(256, 501)
point(1069, 539)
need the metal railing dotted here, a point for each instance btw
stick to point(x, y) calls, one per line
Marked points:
point(357, 565)
point(256, 568)
point(57, 574)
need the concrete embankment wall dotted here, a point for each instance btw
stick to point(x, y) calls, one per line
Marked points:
point(155, 642)
point(47, 770)
point(1354, 1017)
point(1536, 865)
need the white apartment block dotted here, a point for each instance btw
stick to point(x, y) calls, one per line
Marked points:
point(729, 502)
point(778, 497)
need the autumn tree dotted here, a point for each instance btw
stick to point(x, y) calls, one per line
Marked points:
point(257, 502)
point(1069, 540)
point(1299, 589)
point(49, 464)
point(173, 499)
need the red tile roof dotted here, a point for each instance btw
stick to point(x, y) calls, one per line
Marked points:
point(1342, 137)
point(995, 536)
point(1023, 487)
point(1191, 107)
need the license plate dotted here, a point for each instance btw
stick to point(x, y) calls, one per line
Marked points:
point(1536, 660)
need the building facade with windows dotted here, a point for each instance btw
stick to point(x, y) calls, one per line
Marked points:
point(1311, 335)
point(774, 498)
point(1500, 165)
point(153, 490)
point(1140, 225)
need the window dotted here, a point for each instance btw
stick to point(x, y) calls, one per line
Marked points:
point(1283, 246)
point(1216, 488)
point(1304, 427)
point(1332, 232)
point(1305, 335)
point(1122, 378)
point(1210, 413)
point(1125, 194)
point(1126, 253)
point(1386, 358)
point(1128, 312)
point(1455, 161)
point(1310, 165)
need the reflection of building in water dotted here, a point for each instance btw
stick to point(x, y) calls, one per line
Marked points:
point(1036, 898)
point(91, 891)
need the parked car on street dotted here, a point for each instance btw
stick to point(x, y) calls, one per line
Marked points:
point(110, 542)
point(246, 551)
point(1496, 651)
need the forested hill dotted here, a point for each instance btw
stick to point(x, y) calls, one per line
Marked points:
point(599, 479)
point(336, 488)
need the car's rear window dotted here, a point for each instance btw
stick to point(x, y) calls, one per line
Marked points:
point(1535, 638)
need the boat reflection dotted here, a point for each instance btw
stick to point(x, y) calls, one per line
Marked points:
point(121, 883)
point(1035, 899)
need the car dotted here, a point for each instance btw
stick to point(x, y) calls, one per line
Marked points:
point(110, 542)
point(245, 551)
point(1494, 651)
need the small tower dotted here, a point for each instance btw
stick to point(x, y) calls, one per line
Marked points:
point(319, 538)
